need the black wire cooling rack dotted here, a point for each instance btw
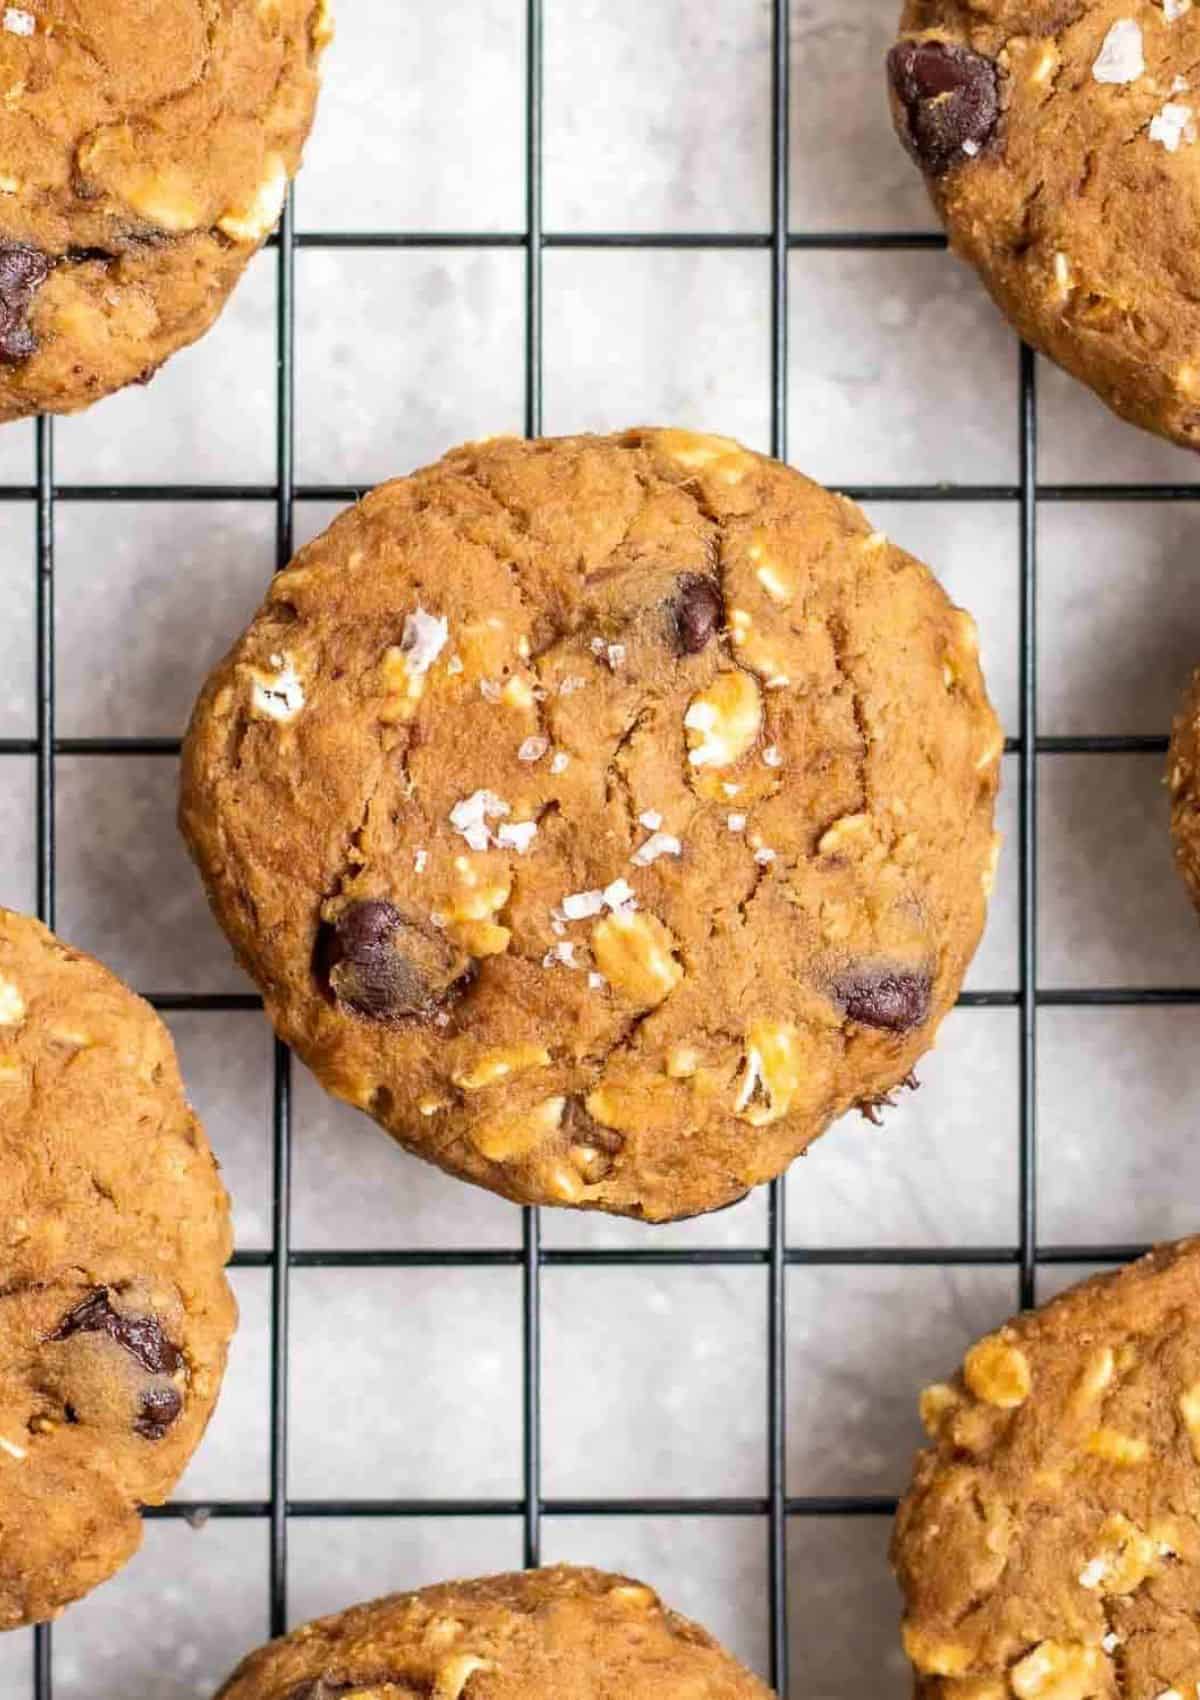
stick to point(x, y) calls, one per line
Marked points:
point(1024, 1255)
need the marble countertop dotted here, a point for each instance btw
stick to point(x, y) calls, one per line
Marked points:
point(407, 1382)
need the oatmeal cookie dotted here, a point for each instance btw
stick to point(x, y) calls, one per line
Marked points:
point(603, 815)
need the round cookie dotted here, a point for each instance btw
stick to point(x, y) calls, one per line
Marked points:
point(1049, 1548)
point(602, 815)
point(1059, 145)
point(146, 147)
point(561, 1634)
point(1183, 779)
point(114, 1310)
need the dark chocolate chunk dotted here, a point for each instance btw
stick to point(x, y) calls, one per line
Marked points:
point(141, 1336)
point(947, 101)
point(23, 271)
point(385, 965)
point(158, 1409)
point(895, 1000)
point(699, 612)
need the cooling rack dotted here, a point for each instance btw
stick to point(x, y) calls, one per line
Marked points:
point(1023, 1254)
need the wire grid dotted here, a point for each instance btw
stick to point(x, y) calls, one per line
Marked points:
point(776, 1508)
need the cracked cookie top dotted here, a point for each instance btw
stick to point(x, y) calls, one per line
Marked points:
point(603, 815)
point(114, 1310)
point(1048, 1548)
point(1058, 139)
point(559, 1634)
point(145, 151)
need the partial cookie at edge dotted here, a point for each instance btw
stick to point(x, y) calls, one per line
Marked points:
point(555, 1634)
point(115, 1313)
point(142, 170)
point(1049, 1547)
point(1059, 146)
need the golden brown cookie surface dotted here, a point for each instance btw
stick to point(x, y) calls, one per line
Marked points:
point(1059, 142)
point(603, 815)
point(114, 1310)
point(1050, 1545)
point(560, 1634)
point(1183, 779)
point(145, 149)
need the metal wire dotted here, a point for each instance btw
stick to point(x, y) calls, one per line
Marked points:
point(1024, 1256)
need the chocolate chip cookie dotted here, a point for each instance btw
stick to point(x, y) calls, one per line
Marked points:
point(1050, 1545)
point(114, 1311)
point(145, 151)
point(1059, 145)
point(603, 816)
point(561, 1634)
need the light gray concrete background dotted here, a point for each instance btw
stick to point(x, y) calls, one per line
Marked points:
point(657, 117)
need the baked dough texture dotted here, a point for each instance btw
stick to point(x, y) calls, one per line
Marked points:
point(115, 1312)
point(1049, 1548)
point(1183, 779)
point(145, 151)
point(1059, 142)
point(602, 815)
point(561, 1634)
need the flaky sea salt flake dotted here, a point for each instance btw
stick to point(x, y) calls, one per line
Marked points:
point(1121, 59)
point(1174, 124)
point(1173, 10)
point(471, 815)
point(17, 21)
point(651, 820)
point(582, 905)
point(533, 749)
point(658, 844)
point(518, 836)
point(423, 640)
point(620, 896)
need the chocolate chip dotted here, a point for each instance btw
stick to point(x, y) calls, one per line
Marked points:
point(158, 1409)
point(22, 273)
point(894, 1000)
point(947, 101)
point(699, 612)
point(385, 965)
point(141, 1336)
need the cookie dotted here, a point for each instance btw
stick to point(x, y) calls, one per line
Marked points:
point(604, 815)
point(1050, 1545)
point(1183, 780)
point(1059, 145)
point(114, 1310)
point(561, 1634)
point(146, 148)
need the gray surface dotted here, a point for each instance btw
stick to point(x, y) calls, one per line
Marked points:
point(657, 115)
